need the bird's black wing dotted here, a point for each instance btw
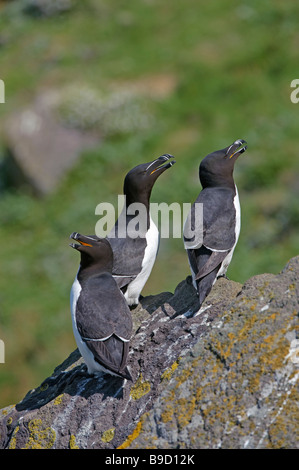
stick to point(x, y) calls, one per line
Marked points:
point(217, 236)
point(104, 323)
point(203, 261)
point(217, 227)
point(111, 354)
point(123, 281)
point(102, 310)
point(128, 255)
point(205, 265)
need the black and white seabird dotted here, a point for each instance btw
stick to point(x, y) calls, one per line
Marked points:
point(101, 318)
point(210, 258)
point(134, 257)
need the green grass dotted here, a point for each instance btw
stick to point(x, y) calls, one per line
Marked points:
point(227, 68)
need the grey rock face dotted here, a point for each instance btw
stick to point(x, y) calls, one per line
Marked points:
point(40, 149)
point(226, 378)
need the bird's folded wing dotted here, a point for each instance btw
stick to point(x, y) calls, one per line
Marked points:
point(217, 225)
point(113, 360)
point(214, 260)
point(122, 280)
point(91, 322)
point(102, 311)
point(128, 255)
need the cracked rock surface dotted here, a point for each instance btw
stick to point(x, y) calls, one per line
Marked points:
point(226, 378)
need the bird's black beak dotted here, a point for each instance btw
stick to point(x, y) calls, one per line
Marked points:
point(238, 147)
point(160, 164)
point(83, 240)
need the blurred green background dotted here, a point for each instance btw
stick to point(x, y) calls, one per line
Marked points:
point(182, 77)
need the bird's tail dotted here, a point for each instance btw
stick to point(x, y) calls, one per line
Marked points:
point(112, 354)
point(126, 374)
point(205, 284)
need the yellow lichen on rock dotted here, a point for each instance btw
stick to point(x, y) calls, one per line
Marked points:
point(44, 387)
point(73, 444)
point(108, 435)
point(167, 374)
point(140, 388)
point(58, 399)
point(13, 440)
point(134, 434)
point(39, 437)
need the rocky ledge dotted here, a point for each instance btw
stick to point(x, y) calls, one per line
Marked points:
point(227, 378)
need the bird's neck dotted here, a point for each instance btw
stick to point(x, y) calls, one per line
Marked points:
point(137, 205)
point(89, 272)
point(217, 182)
point(140, 198)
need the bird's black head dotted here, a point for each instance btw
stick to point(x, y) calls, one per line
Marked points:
point(216, 169)
point(96, 253)
point(140, 180)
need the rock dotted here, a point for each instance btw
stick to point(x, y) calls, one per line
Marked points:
point(40, 149)
point(226, 378)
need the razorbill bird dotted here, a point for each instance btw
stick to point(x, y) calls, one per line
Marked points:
point(211, 253)
point(134, 257)
point(101, 318)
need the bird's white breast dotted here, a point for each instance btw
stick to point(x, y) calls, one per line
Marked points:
point(238, 216)
point(75, 293)
point(150, 253)
point(228, 258)
point(87, 355)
